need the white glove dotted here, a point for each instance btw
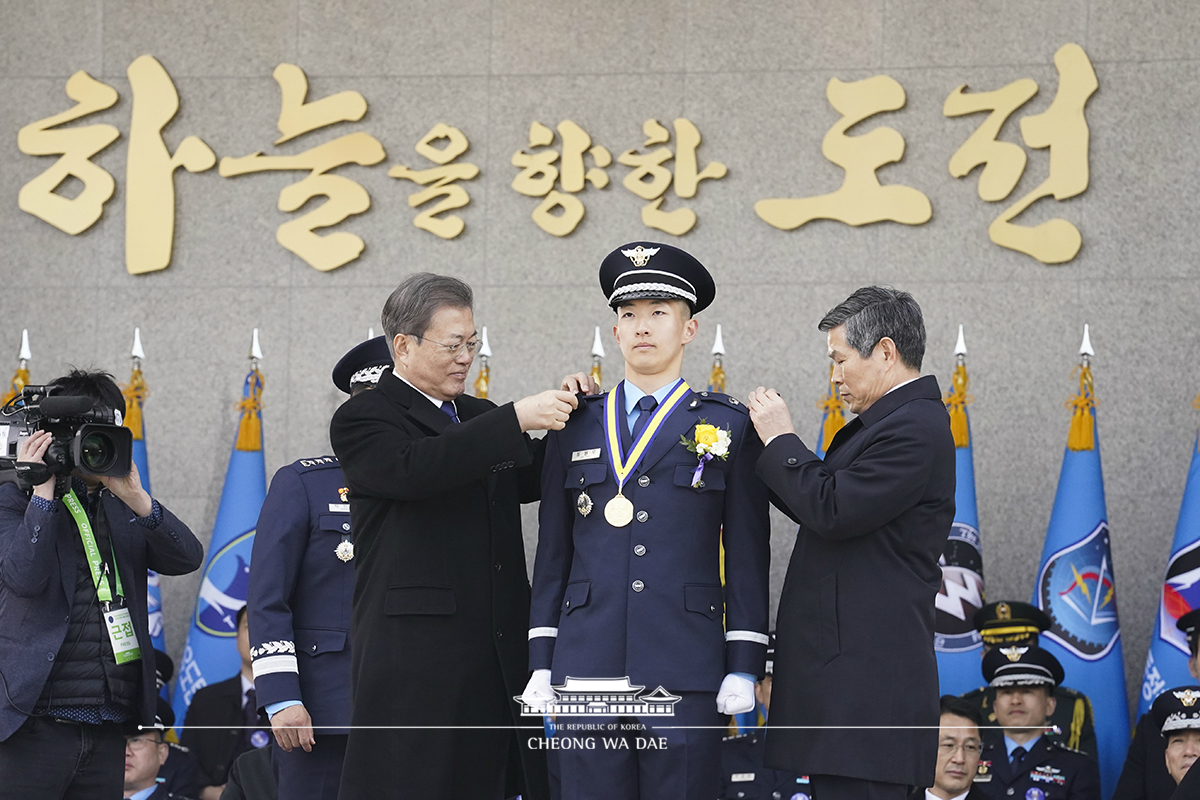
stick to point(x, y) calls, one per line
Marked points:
point(736, 695)
point(538, 693)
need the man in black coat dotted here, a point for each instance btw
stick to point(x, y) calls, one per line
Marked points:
point(441, 595)
point(857, 607)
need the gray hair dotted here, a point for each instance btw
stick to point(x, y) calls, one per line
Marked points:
point(410, 308)
point(875, 312)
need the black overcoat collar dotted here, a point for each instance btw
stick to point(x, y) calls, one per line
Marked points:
point(923, 388)
point(418, 406)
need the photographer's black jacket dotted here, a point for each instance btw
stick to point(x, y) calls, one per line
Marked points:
point(38, 566)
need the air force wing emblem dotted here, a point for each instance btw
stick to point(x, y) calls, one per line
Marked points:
point(1188, 697)
point(1014, 653)
point(640, 256)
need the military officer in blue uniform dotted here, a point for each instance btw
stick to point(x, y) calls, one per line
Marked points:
point(639, 491)
point(1019, 762)
point(299, 597)
point(1009, 623)
point(1176, 715)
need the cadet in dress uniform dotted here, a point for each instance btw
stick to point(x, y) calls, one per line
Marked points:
point(1012, 623)
point(299, 599)
point(1014, 766)
point(627, 581)
point(743, 776)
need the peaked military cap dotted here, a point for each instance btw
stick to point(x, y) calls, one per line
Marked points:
point(1177, 709)
point(1017, 665)
point(1189, 623)
point(1010, 622)
point(364, 363)
point(641, 270)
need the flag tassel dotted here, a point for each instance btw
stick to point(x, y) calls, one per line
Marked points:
point(956, 404)
point(1082, 435)
point(19, 381)
point(135, 394)
point(249, 437)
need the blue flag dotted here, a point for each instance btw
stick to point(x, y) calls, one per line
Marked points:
point(1166, 663)
point(211, 653)
point(135, 396)
point(1077, 589)
point(958, 645)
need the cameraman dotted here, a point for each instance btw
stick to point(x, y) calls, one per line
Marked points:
point(70, 585)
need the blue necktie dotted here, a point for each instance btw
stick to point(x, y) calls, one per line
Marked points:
point(646, 404)
point(1018, 755)
point(448, 408)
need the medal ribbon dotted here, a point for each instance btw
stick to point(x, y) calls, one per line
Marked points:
point(622, 468)
point(92, 550)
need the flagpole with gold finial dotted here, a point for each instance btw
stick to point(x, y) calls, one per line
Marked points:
point(716, 380)
point(1082, 435)
point(485, 374)
point(136, 391)
point(249, 437)
point(597, 355)
point(957, 398)
point(833, 419)
point(21, 379)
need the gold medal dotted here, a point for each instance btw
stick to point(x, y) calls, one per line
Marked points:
point(618, 511)
point(345, 550)
point(584, 504)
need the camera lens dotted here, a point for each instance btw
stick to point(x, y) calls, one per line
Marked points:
point(97, 452)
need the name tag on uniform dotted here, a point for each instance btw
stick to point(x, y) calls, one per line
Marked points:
point(584, 455)
point(740, 777)
point(343, 508)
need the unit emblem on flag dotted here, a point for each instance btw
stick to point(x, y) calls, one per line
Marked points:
point(1076, 589)
point(223, 588)
point(961, 592)
point(1181, 594)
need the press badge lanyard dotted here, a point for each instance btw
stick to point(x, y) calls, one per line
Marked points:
point(619, 510)
point(117, 620)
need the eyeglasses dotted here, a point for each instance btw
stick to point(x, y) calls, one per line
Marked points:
point(453, 350)
point(969, 748)
point(141, 742)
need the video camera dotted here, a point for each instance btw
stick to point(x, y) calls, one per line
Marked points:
point(86, 437)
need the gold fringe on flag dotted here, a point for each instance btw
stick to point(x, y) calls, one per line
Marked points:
point(1196, 405)
point(716, 380)
point(481, 383)
point(595, 373)
point(135, 393)
point(18, 383)
point(249, 436)
point(835, 420)
point(956, 403)
point(1083, 422)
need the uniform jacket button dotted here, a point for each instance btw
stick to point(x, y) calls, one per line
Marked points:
point(499, 634)
point(49, 656)
point(638, 586)
point(639, 550)
point(497, 566)
point(699, 484)
point(1010, 791)
point(642, 516)
point(581, 479)
point(314, 648)
point(568, 604)
point(792, 461)
point(644, 481)
point(345, 526)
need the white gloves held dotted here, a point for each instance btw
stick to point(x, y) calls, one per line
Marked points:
point(736, 695)
point(538, 693)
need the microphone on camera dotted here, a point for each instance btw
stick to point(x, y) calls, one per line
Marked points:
point(58, 407)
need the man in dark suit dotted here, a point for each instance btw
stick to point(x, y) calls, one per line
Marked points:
point(1019, 760)
point(959, 746)
point(441, 596)
point(231, 702)
point(857, 606)
point(299, 598)
point(66, 692)
point(639, 492)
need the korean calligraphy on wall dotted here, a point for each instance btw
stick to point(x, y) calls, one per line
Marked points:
point(558, 166)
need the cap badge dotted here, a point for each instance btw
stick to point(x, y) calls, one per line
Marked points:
point(344, 494)
point(1188, 697)
point(1003, 611)
point(640, 256)
point(1014, 653)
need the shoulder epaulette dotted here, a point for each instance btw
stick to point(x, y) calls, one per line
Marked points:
point(1061, 746)
point(320, 462)
point(735, 737)
point(1067, 690)
point(724, 399)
